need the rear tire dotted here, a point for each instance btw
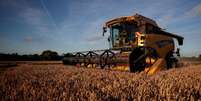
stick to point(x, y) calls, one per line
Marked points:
point(171, 61)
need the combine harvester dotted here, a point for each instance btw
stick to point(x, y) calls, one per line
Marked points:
point(137, 44)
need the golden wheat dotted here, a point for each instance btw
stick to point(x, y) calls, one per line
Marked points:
point(52, 82)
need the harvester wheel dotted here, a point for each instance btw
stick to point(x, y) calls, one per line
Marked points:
point(142, 58)
point(136, 59)
point(171, 61)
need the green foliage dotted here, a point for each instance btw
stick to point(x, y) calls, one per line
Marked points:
point(49, 55)
point(68, 55)
point(46, 55)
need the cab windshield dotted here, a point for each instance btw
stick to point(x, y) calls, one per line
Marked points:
point(123, 34)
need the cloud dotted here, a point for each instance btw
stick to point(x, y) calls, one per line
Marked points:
point(95, 38)
point(32, 16)
point(172, 17)
point(167, 18)
point(195, 11)
point(39, 22)
point(13, 3)
point(164, 20)
point(28, 39)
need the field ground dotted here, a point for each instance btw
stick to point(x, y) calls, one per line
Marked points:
point(4, 65)
point(50, 80)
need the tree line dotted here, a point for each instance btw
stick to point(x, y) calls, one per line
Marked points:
point(45, 55)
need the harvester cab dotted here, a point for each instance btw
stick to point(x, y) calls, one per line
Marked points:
point(137, 44)
point(148, 47)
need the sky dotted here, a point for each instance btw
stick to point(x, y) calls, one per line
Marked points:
point(32, 26)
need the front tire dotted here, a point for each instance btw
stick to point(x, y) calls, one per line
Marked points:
point(135, 64)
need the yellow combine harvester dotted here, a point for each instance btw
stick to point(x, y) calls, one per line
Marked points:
point(137, 44)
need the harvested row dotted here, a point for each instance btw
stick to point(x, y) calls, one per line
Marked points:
point(52, 82)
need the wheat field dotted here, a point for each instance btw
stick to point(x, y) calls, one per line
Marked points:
point(59, 82)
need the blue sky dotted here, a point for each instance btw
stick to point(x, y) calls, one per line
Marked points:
point(31, 26)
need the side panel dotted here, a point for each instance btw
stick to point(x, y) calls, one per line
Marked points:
point(161, 43)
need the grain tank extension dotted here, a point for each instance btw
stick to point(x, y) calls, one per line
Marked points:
point(137, 44)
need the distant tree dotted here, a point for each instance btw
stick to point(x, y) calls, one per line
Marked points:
point(68, 55)
point(49, 55)
point(34, 57)
point(46, 55)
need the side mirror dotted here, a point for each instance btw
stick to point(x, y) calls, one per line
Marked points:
point(104, 30)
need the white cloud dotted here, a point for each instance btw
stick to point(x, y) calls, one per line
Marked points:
point(95, 38)
point(35, 18)
point(28, 39)
point(13, 3)
point(195, 11)
point(39, 22)
point(32, 16)
point(171, 17)
point(164, 20)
